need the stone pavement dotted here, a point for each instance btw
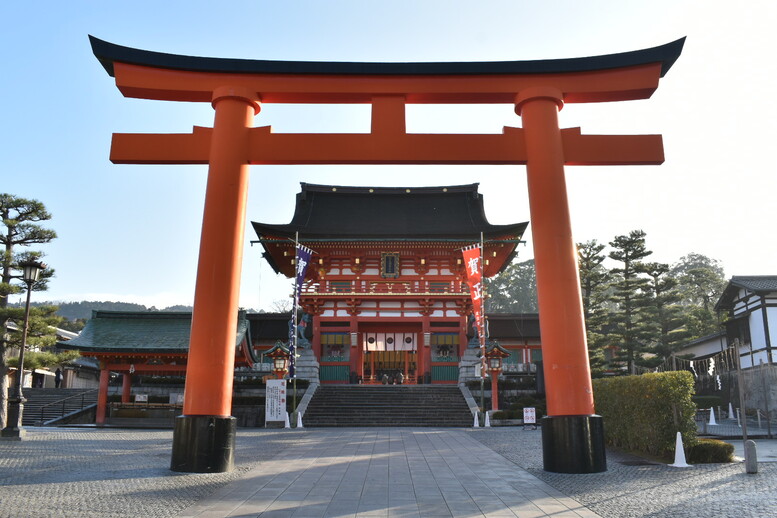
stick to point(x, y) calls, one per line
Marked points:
point(372, 472)
point(358, 472)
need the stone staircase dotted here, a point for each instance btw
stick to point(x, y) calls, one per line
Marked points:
point(388, 405)
point(45, 404)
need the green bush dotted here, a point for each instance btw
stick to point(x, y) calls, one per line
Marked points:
point(707, 402)
point(644, 413)
point(706, 451)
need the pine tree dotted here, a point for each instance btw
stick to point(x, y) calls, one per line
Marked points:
point(630, 294)
point(21, 227)
point(664, 314)
point(514, 290)
point(594, 286)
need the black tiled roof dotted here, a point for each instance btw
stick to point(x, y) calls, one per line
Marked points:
point(513, 326)
point(269, 326)
point(332, 212)
point(756, 283)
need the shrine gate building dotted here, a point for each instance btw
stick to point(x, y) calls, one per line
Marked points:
point(385, 297)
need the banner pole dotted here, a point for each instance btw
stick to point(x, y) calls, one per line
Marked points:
point(482, 334)
point(293, 351)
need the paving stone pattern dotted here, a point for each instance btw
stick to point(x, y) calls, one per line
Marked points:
point(630, 488)
point(407, 472)
point(357, 472)
point(66, 472)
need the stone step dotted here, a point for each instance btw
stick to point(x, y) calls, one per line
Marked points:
point(388, 405)
point(51, 401)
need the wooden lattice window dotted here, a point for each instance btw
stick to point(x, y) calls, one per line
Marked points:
point(389, 265)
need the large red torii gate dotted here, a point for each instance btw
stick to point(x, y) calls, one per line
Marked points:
point(203, 440)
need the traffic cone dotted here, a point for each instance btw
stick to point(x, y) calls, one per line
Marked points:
point(679, 453)
point(712, 417)
point(286, 421)
point(488, 421)
point(476, 424)
point(299, 420)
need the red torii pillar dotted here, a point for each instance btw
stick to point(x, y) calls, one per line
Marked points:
point(573, 438)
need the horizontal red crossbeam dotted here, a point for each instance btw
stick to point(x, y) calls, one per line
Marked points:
point(349, 148)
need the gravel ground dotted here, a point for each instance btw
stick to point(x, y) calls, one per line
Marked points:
point(632, 487)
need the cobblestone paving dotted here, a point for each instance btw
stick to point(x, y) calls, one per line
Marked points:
point(124, 473)
point(656, 490)
point(110, 473)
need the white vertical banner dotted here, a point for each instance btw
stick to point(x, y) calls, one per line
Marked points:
point(275, 401)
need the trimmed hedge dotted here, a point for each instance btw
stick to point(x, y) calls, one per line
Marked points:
point(644, 413)
point(707, 451)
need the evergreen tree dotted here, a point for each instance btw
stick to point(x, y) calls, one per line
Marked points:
point(41, 338)
point(700, 283)
point(21, 227)
point(630, 294)
point(664, 315)
point(514, 290)
point(594, 286)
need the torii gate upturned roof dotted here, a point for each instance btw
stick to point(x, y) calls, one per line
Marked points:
point(388, 87)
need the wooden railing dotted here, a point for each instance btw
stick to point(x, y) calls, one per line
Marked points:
point(392, 287)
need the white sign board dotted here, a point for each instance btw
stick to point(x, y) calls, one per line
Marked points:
point(141, 398)
point(275, 401)
point(529, 416)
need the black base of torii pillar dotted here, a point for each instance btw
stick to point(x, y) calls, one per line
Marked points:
point(573, 444)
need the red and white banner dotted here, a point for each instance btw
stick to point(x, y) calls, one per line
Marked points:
point(473, 264)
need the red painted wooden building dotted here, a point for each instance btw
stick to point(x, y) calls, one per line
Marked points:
point(385, 296)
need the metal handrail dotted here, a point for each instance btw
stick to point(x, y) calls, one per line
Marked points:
point(63, 401)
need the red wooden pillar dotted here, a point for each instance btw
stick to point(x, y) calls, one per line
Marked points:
point(573, 437)
point(424, 351)
point(354, 354)
point(126, 387)
point(494, 390)
point(315, 345)
point(102, 395)
point(203, 438)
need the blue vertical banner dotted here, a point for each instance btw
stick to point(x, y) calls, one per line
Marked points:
point(302, 260)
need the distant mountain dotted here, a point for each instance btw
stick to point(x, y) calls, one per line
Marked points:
point(84, 308)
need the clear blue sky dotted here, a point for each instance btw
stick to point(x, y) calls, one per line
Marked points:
point(131, 232)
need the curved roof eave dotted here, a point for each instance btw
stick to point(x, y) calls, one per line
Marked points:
point(109, 53)
point(289, 230)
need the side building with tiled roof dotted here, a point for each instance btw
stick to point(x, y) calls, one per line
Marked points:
point(750, 303)
point(151, 343)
